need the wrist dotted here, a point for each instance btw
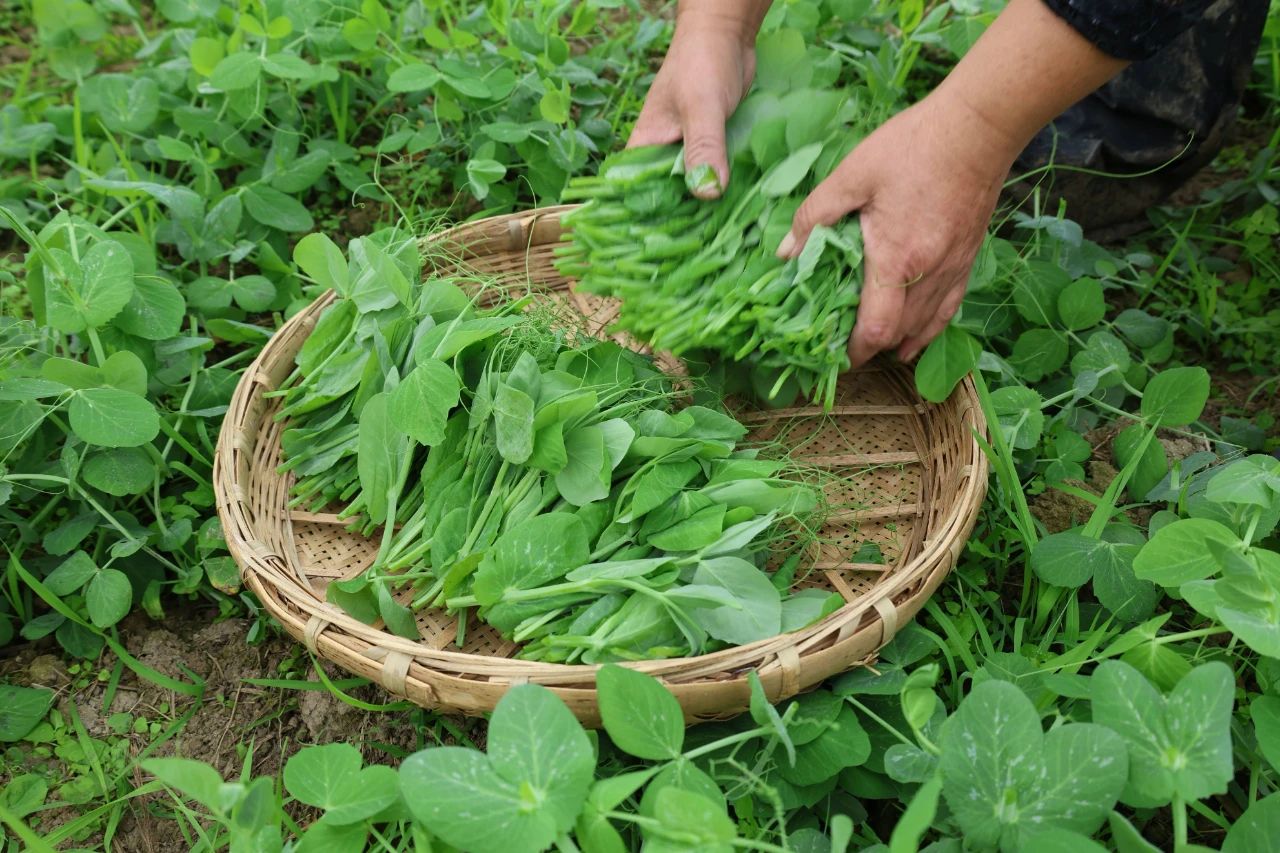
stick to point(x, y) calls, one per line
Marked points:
point(985, 143)
point(733, 19)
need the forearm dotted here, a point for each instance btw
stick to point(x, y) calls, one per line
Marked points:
point(742, 16)
point(1027, 68)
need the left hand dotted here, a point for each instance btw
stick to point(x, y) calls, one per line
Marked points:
point(924, 185)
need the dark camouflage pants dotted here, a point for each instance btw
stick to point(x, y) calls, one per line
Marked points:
point(1168, 113)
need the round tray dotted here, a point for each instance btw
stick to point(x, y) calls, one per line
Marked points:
point(913, 469)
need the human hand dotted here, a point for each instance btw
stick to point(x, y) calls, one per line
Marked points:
point(706, 72)
point(924, 185)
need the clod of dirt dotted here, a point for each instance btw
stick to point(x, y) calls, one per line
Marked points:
point(326, 718)
point(1059, 511)
point(47, 671)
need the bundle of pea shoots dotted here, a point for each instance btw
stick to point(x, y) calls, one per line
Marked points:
point(701, 279)
point(556, 485)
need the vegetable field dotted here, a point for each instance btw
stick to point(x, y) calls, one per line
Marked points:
point(179, 177)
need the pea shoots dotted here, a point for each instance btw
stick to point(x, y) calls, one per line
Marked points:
point(696, 276)
point(558, 486)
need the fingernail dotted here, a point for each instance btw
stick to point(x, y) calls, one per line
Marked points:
point(703, 181)
point(786, 246)
point(908, 355)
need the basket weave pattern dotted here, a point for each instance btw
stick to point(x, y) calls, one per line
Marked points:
point(910, 480)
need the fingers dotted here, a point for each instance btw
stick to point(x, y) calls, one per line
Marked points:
point(844, 191)
point(879, 316)
point(934, 323)
point(704, 145)
point(656, 125)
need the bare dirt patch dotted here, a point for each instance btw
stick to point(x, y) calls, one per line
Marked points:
point(235, 722)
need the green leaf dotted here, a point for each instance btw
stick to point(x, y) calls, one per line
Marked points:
point(1081, 304)
point(252, 292)
point(689, 534)
point(422, 401)
point(658, 485)
point(536, 744)
point(457, 795)
point(322, 260)
point(1181, 552)
point(237, 71)
point(1126, 837)
point(397, 617)
point(1062, 841)
point(119, 471)
point(1153, 465)
point(24, 794)
point(946, 361)
point(380, 452)
point(70, 575)
point(274, 209)
point(332, 777)
point(535, 552)
point(205, 53)
point(22, 709)
point(1176, 397)
point(154, 312)
point(1177, 745)
point(320, 775)
point(513, 423)
point(1105, 356)
point(784, 177)
point(379, 283)
point(125, 371)
point(1038, 353)
point(483, 172)
point(783, 64)
point(1141, 328)
point(518, 798)
point(1066, 559)
point(758, 611)
point(549, 452)
point(123, 103)
point(918, 817)
point(555, 102)
point(585, 476)
point(1255, 480)
point(1005, 780)
point(1265, 712)
point(1021, 419)
point(1257, 829)
point(641, 716)
point(195, 779)
point(109, 417)
point(288, 66)
point(844, 743)
point(108, 597)
point(66, 536)
point(692, 816)
point(100, 288)
point(414, 77)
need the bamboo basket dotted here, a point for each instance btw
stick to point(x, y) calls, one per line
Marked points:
point(915, 468)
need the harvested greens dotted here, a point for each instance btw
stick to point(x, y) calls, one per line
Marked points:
point(557, 484)
point(702, 276)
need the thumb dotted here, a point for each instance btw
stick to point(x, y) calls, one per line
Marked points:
point(704, 148)
point(846, 189)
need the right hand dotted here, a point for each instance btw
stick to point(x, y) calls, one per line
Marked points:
point(706, 73)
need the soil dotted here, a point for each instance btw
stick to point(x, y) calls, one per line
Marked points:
point(233, 717)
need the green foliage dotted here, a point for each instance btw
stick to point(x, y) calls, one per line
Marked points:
point(158, 169)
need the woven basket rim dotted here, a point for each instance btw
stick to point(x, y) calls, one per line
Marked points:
point(261, 566)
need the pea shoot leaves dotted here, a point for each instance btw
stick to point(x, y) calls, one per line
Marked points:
point(1177, 745)
point(421, 403)
point(641, 717)
point(1006, 780)
point(528, 789)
